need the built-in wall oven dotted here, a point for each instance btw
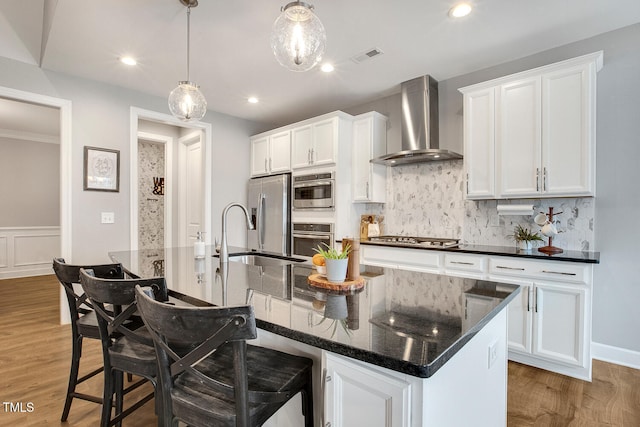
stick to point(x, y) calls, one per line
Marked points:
point(307, 236)
point(315, 191)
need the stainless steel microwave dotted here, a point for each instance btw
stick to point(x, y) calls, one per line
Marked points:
point(316, 191)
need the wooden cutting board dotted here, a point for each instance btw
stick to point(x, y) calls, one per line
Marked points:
point(321, 281)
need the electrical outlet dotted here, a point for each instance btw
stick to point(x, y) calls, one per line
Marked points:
point(108, 218)
point(493, 353)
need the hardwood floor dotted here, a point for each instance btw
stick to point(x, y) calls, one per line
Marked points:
point(35, 355)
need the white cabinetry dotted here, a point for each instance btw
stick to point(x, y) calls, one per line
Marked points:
point(541, 126)
point(550, 323)
point(271, 153)
point(369, 141)
point(404, 258)
point(315, 144)
point(465, 265)
point(272, 309)
point(359, 396)
point(479, 143)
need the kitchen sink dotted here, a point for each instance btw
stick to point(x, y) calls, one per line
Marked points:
point(263, 260)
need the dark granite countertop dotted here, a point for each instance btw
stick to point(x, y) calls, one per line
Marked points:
point(511, 251)
point(407, 321)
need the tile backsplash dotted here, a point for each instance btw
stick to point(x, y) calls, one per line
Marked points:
point(427, 199)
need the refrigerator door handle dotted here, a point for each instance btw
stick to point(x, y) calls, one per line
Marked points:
point(260, 221)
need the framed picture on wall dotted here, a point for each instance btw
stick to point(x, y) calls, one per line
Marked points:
point(101, 169)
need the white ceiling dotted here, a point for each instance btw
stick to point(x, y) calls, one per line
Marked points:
point(231, 58)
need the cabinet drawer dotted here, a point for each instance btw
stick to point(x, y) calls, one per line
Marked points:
point(407, 259)
point(557, 271)
point(466, 263)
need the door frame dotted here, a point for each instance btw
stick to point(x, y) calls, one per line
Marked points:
point(136, 114)
point(167, 142)
point(66, 172)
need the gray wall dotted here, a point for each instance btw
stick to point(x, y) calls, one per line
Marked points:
point(617, 278)
point(29, 183)
point(100, 117)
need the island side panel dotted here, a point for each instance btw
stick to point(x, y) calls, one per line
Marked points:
point(471, 388)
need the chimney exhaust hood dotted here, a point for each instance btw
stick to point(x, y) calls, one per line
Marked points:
point(419, 125)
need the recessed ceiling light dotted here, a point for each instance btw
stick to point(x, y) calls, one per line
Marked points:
point(460, 10)
point(128, 60)
point(252, 100)
point(327, 68)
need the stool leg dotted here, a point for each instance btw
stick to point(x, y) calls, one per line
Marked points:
point(119, 386)
point(107, 397)
point(73, 375)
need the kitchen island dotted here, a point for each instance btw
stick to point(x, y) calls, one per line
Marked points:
point(404, 350)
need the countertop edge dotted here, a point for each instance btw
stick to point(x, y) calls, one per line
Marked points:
point(566, 256)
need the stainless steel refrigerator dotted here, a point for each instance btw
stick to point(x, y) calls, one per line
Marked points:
point(269, 203)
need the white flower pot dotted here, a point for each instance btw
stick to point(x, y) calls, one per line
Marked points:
point(525, 245)
point(336, 270)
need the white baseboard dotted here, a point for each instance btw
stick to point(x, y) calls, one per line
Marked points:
point(617, 355)
point(14, 274)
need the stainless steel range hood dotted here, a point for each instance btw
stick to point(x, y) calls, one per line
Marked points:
point(419, 125)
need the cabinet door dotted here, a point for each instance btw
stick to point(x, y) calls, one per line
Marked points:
point(259, 156)
point(260, 304)
point(280, 312)
point(361, 171)
point(479, 143)
point(358, 396)
point(567, 132)
point(518, 140)
point(559, 323)
point(280, 152)
point(301, 144)
point(521, 319)
point(325, 136)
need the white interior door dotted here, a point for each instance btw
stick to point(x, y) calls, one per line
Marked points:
point(191, 195)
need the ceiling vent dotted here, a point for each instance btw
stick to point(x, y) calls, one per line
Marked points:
point(366, 55)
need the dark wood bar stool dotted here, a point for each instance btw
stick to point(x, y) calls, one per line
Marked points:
point(84, 323)
point(210, 376)
point(126, 344)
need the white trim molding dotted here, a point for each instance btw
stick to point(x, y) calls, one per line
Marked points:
point(28, 251)
point(617, 355)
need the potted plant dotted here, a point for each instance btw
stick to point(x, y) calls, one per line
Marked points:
point(524, 237)
point(336, 262)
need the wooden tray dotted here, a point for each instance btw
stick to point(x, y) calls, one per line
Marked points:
point(321, 281)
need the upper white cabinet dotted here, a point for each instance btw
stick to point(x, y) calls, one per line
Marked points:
point(479, 143)
point(315, 144)
point(369, 141)
point(271, 153)
point(532, 134)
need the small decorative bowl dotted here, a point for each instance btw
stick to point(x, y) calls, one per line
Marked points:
point(321, 269)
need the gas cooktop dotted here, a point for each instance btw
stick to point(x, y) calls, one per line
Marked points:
point(416, 241)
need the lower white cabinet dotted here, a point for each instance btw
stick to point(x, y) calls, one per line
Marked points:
point(550, 321)
point(357, 396)
point(272, 309)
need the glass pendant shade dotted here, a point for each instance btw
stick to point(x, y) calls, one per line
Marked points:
point(187, 103)
point(298, 38)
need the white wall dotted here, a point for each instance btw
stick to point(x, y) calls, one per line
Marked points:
point(100, 117)
point(29, 184)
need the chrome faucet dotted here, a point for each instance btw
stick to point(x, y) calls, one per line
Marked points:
point(224, 250)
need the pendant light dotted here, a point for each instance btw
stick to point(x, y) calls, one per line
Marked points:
point(186, 102)
point(298, 38)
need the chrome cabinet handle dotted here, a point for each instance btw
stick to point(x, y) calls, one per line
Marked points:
point(270, 163)
point(537, 179)
point(265, 164)
point(544, 179)
point(558, 272)
point(461, 262)
point(467, 183)
point(509, 268)
point(537, 299)
point(528, 299)
point(367, 189)
point(313, 152)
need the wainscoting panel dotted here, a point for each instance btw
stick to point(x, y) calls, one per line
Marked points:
point(28, 251)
